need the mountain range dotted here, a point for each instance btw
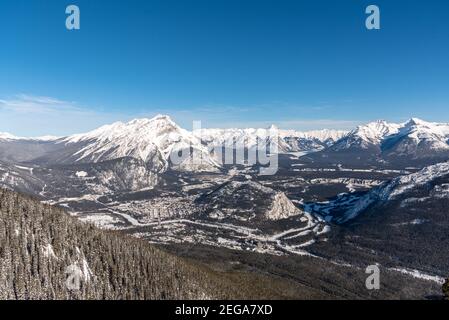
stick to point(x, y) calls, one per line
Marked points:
point(154, 140)
point(415, 142)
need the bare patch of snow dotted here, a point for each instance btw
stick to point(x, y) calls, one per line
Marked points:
point(81, 174)
point(419, 275)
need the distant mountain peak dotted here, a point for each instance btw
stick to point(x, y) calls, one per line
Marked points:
point(381, 122)
point(414, 140)
point(416, 122)
point(368, 134)
point(162, 117)
point(7, 136)
point(146, 121)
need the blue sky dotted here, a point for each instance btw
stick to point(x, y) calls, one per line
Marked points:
point(229, 63)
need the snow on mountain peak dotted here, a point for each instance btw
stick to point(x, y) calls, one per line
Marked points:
point(162, 117)
point(155, 139)
point(366, 135)
point(418, 124)
point(326, 134)
point(159, 122)
point(414, 136)
point(427, 136)
point(415, 122)
point(376, 131)
point(320, 135)
point(288, 140)
point(135, 130)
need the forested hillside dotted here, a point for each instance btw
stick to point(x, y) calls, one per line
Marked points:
point(42, 249)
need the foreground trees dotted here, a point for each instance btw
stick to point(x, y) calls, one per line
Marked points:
point(46, 254)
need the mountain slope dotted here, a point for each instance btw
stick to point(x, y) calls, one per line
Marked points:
point(431, 183)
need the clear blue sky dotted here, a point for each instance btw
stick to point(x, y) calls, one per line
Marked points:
point(231, 63)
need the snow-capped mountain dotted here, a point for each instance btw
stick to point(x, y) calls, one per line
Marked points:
point(163, 145)
point(324, 136)
point(418, 138)
point(158, 140)
point(242, 138)
point(288, 140)
point(415, 132)
point(416, 141)
point(311, 140)
point(365, 136)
